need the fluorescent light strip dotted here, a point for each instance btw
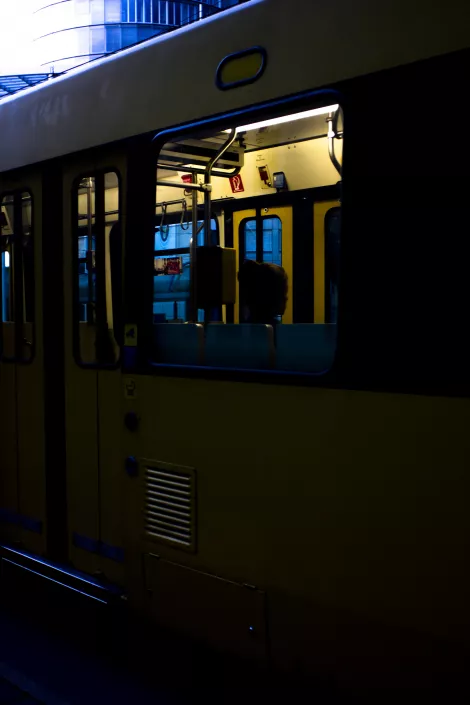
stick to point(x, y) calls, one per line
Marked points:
point(287, 118)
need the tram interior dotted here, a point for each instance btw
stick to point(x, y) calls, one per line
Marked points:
point(296, 153)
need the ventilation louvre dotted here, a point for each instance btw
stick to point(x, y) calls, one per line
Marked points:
point(170, 505)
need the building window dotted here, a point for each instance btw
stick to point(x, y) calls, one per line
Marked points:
point(97, 40)
point(112, 10)
point(113, 38)
point(165, 12)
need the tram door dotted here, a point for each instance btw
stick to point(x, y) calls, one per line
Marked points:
point(22, 443)
point(265, 235)
point(92, 298)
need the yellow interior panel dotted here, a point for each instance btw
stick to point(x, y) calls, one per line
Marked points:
point(237, 220)
point(319, 212)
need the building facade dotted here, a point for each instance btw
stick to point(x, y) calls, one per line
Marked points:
point(72, 32)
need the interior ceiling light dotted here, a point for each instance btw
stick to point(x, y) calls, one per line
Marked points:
point(287, 118)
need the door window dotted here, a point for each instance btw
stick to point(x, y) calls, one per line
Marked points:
point(267, 243)
point(17, 276)
point(98, 265)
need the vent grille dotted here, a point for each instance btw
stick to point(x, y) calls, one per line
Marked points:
point(169, 505)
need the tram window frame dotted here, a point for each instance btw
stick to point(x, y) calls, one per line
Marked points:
point(308, 101)
point(20, 337)
point(75, 231)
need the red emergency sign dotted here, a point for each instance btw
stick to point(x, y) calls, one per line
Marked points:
point(237, 184)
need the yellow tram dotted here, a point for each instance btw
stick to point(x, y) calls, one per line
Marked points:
point(294, 492)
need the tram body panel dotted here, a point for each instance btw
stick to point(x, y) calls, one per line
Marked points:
point(8, 440)
point(356, 525)
point(112, 475)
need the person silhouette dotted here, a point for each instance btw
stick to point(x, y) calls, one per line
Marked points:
point(263, 292)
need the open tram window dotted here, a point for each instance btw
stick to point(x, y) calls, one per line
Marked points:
point(98, 269)
point(17, 276)
point(226, 174)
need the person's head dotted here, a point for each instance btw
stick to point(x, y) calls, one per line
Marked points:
point(263, 291)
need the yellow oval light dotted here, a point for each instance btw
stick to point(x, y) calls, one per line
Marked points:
point(241, 68)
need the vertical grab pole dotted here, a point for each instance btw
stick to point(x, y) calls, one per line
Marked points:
point(207, 197)
point(332, 134)
point(192, 254)
point(208, 181)
point(89, 220)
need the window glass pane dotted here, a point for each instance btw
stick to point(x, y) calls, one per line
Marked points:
point(113, 38)
point(163, 12)
point(240, 281)
point(129, 36)
point(124, 11)
point(98, 40)
point(147, 10)
point(97, 11)
point(82, 7)
point(98, 270)
point(17, 275)
point(272, 240)
point(6, 248)
point(112, 10)
point(250, 239)
point(27, 253)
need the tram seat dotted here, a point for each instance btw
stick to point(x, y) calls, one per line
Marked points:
point(305, 347)
point(243, 346)
point(178, 343)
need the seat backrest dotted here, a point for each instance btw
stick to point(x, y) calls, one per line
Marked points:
point(305, 347)
point(243, 346)
point(178, 343)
